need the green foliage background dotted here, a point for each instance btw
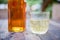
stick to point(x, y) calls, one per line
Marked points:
point(32, 2)
point(3, 1)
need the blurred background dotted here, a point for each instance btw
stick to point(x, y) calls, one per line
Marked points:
point(3, 9)
point(3, 18)
point(35, 6)
point(3, 1)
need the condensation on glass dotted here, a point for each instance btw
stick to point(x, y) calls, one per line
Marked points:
point(16, 15)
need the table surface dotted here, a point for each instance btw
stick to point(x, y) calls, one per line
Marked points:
point(52, 34)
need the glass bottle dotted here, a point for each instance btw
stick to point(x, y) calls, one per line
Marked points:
point(16, 15)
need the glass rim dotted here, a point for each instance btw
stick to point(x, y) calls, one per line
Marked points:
point(40, 13)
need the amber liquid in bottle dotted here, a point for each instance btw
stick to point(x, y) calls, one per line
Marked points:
point(16, 15)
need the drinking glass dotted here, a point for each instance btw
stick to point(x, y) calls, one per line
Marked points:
point(39, 22)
